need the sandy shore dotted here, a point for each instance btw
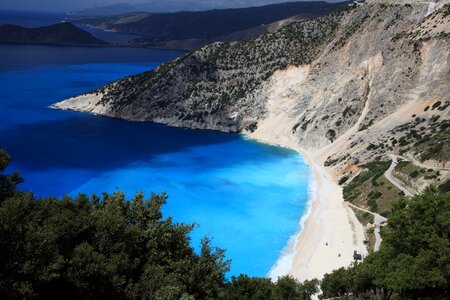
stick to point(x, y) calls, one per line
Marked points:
point(328, 233)
point(331, 232)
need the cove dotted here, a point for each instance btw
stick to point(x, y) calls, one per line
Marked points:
point(247, 196)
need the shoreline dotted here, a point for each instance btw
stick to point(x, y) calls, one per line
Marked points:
point(328, 231)
point(331, 232)
point(285, 262)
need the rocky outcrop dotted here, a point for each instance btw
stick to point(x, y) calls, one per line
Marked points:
point(337, 83)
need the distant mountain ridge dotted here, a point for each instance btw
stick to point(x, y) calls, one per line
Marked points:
point(64, 33)
point(188, 30)
point(170, 6)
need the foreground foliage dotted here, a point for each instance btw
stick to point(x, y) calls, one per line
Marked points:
point(414, 259)
point(111, 248)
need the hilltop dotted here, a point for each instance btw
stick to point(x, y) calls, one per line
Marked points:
point(170, 6)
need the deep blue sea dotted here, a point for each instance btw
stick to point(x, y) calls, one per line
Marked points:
point(247, 196)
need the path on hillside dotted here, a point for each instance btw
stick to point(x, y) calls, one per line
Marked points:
point(378, 221)
point(422, 165)
point(393, 180)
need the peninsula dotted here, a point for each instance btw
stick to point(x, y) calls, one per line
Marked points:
point(64, 33)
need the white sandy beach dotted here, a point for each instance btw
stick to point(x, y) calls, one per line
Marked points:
point(328, 233)
point(331, 233)
point(329, 221)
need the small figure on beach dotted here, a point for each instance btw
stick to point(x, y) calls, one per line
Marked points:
point(326, 243)
point(339, 255)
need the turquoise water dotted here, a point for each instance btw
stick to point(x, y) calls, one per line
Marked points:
point(247, 196)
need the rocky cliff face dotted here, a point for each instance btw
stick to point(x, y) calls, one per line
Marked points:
point(338, 83)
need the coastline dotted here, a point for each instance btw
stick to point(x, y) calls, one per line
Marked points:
point(328, 231)
point(331, 232)
point(285, 262)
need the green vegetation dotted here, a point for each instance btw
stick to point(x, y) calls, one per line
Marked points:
point(447, 10)
point(343, 180)
point(445, 106)
point(63, 33)
point(414, 258)
point(333, 161)
point(331, 135)
point(445, 187)
point(411, 176)
point(365, 218)
point(436, 144)
point(436, 105)
point(371, 189)
point(111, 248)
point(373, 170)
point(355, 26)
point(414, 174)
point(429, 139)
point(206, 25)
point(211, 80)
point(8, 182)
point(244, 287)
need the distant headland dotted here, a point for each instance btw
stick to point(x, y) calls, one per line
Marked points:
point(64, 33)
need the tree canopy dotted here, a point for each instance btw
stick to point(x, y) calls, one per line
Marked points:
point(109, 247)
point(414, 258)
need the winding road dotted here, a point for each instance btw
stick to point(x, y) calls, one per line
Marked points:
point(380, 220)
point(396, 182)
point(422, 165)
point(392, 179)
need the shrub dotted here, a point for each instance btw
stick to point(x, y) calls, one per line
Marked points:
point(343, 180)
point(436, 105)
point(414, 174)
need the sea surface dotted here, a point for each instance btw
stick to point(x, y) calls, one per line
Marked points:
point(247, 196)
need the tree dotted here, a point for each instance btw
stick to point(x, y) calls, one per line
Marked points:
point(309, 288)
point(100, 248)
point(414, 258)
point(336, 284)
point(251, 288)
point(8, 182)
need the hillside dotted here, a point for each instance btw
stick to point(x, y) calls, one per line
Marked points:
point(169, 6)
point(189, 30)
point(363, 92)
point(62, 34)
